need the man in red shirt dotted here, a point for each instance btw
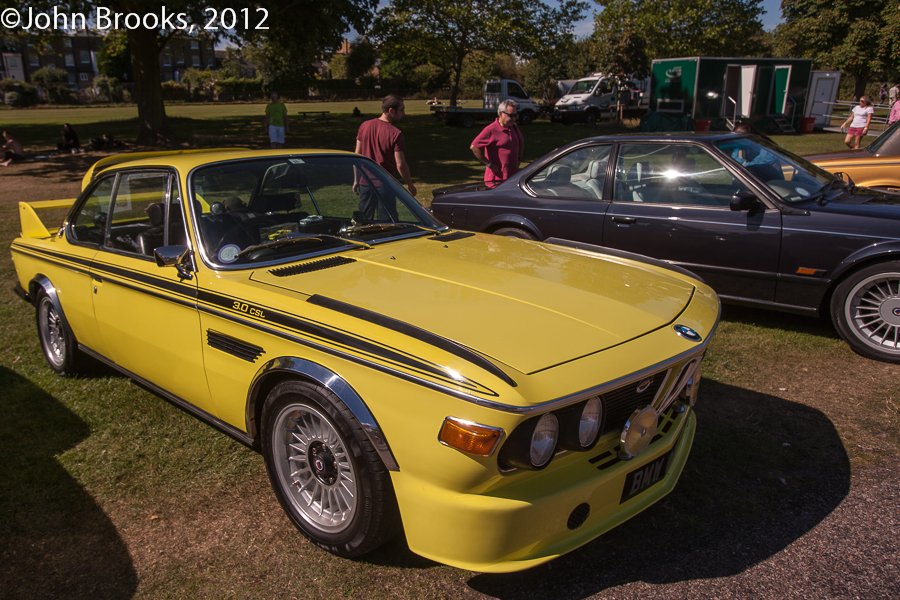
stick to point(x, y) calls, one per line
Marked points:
point(379, 140)
point(500, 146)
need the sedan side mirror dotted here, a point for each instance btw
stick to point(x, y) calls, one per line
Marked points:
point(744, 201)
point(173, 256)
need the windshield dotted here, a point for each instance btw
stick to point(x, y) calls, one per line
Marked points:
point(793, 178)
point(583, 87)
point(278, 207)
point(888, 143)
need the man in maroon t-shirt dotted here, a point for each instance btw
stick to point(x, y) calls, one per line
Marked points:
point(500, 146)
point(379, 140)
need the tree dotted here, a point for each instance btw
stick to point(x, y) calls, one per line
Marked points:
point(447, 31)
point(114, 57)
point(361, 59)
point(673, 28)
point(298, 32)
point(624, 52)
point(859, 38)
point(338, 66)
point(50, 80)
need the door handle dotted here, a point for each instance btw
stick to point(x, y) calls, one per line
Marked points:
point(624, 220)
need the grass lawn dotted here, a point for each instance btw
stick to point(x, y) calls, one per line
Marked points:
point(108, 491)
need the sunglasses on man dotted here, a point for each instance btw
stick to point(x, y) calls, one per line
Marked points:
point(509, 114)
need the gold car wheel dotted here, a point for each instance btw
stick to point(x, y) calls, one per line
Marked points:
point(868, 316)
point(315, 468)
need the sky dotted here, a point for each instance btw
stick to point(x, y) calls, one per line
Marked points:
point(769, 20)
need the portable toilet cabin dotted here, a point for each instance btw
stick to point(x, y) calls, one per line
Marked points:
point(726, 90)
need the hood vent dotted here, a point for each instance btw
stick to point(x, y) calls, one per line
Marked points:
point(451, 237)
point(316, 265)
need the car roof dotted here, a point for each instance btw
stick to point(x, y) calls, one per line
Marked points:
point(668, 136)
point(185, 160)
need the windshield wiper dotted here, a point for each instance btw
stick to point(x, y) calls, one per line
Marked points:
point(288, 241)
point(380, 227)
point(820, 196)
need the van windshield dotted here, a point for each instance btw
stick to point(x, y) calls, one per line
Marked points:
point(583, 87)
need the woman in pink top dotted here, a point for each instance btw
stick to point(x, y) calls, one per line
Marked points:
point(500, 146)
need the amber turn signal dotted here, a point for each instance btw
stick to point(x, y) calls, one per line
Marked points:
point(469, 437)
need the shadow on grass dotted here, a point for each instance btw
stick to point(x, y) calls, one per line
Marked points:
point(817, 326)
point(763, 472)
point(56, 541)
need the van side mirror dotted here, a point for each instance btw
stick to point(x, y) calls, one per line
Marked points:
point(744, 201)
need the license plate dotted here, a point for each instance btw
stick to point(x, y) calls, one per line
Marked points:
point(640, 479)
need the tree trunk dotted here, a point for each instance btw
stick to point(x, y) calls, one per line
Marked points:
point(859, 87)
point(457, 74)
point(154, 129)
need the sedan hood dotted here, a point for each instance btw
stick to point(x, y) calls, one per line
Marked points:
point(525, 304)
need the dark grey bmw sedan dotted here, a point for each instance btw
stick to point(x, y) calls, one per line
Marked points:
point(762, 226)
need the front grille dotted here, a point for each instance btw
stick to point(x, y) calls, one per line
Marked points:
point(621, 402)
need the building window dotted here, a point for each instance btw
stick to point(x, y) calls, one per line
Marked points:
point(195, 45)
point(195, 60)
point(84, 56)
point(210, 61)
point(167, 60)
point(33, 60)
point(83, 76)
point(12, 63)
point(179, 59)
point(70, 60)
point(67, 42)
point(71, 78)
point(51, 65)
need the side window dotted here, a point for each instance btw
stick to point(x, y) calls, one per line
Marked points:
point(138, 213)
point(673, 174)
point(578, 175)
point(89, 224)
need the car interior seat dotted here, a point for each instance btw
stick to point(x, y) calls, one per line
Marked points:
point(152, 238)
point(639, 176)
point(597, 177)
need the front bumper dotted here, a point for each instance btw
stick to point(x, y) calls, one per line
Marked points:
point(527, 522)
point(568, 116)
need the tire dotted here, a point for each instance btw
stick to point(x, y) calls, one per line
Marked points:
point(332, 485)
point(590, 119)
point(467, 121)
point(57, 342)
point(526, 118)
point(516, 233)
point(865, 309)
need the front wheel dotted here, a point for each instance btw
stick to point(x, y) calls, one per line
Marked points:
point(57, 342)
point(590, 119)
point(516, 233)
point(325, 472)
point(865, 309)
point(525, 118)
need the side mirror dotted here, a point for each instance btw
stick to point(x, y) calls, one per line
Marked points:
point(173, 256)
point(744, 201)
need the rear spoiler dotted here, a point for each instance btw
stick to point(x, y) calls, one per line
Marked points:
point(32, 226)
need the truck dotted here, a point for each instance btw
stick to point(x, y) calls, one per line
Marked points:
point(495, 92)
point(596, 95)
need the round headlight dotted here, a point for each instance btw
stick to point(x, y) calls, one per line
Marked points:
point(589, 425)
point(543, 440)
point(638, 432)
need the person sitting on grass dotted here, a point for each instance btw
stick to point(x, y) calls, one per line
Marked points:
point(13, 150)
point(70, 141)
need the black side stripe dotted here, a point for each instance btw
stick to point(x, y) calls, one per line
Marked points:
point(413, 332)
point(350, 341)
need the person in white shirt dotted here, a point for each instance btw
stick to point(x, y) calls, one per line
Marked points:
point(858, 122)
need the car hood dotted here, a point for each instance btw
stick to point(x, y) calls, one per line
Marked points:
point(525, 304)
point(838, 157)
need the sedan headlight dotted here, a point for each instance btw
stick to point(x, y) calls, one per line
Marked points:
point(579, 425)
point(543, 440)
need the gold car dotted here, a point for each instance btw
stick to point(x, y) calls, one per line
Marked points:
point(502, 401)
point(875, 166)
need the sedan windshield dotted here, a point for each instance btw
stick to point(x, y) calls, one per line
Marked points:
point(793, 178)
point(277, 207)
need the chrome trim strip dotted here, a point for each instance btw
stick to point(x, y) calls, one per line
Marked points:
point(723, 209)
point(180, 403)
point(880, 238)
point(337, 385)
